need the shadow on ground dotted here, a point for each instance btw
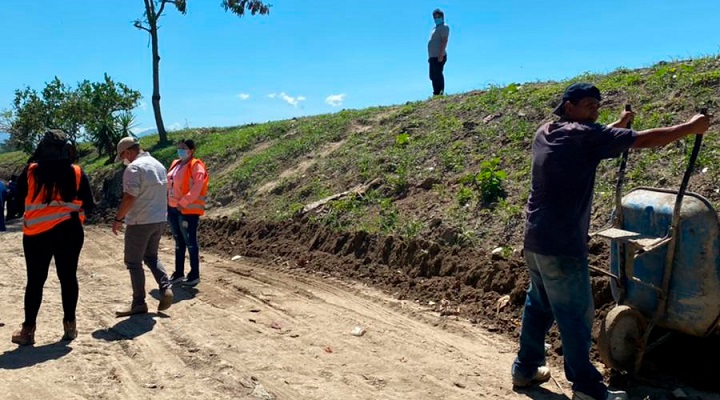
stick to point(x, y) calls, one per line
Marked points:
point(128, 329)
point(179, 293)
point(28, 356)
point(539, 393)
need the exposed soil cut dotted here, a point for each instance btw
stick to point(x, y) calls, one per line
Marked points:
point(487, 289)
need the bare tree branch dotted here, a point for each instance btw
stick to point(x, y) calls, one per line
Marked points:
point(149, 10)
point(162, 7)
point(139, 25)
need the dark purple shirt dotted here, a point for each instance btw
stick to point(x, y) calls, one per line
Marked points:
point(565, 156)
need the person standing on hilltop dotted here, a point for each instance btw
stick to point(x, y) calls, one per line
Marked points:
point(56, 195)
point(565, 156)
point(144, 210)
point(436, 52)
point(187, 188)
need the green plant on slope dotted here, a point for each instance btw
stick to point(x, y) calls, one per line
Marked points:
point(490, 181)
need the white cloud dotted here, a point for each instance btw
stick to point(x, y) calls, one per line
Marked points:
point(335, 100)
point(293, 101)
point(243, 96)
point(142, 105)
point(175, 127)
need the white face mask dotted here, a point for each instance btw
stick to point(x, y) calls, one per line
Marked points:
point(126, 161)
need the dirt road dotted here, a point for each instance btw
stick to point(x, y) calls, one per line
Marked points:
point(248, 331)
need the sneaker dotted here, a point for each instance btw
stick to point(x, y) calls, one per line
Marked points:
point(166, 299)
point(141, 309)
point(71, 332)
point(611, 395)
point(176, 277)
point(542, 375)
point(24, 336)
point(191, 282)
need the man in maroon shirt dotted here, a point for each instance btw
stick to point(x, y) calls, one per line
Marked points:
point(566, 154)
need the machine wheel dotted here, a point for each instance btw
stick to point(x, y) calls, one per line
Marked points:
point(621, 343)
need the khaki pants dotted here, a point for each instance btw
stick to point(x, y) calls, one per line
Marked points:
point(141, 245)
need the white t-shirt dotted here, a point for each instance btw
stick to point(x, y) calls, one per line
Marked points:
point(146, 179)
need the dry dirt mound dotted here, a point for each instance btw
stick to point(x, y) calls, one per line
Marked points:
point(487, 289)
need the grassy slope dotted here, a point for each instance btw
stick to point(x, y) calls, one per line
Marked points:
point(271, 170)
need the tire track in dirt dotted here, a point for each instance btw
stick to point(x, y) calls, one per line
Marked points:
point(207, 347)
point(350, 309)
point(169, 359)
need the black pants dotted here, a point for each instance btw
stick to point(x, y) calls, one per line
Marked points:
point(2, 212)
point(436, 74)
point(11, 209)
point(64, 243)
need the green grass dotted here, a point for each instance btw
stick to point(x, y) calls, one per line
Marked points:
point(439, 141)
point(12, 162)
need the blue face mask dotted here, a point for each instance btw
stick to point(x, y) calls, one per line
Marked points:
point(438, 21)
point(183, 153)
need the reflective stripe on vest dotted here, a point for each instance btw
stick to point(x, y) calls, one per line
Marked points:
point(53, 203)
point(41, 217)
point(197, 207)
point(51, 217)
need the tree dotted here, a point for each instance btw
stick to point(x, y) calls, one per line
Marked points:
point(27, 120)
point(96, 111)
point(57, 106)
point(64, 108)
point(153, 11)
point(107, 106)
point(5, 122)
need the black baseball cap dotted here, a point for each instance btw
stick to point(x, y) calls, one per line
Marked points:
point(575, 93)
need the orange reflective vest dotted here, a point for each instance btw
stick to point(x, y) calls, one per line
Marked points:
point(41, 217)
point(197, 207)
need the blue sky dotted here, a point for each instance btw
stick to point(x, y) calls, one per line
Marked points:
point(319, 56)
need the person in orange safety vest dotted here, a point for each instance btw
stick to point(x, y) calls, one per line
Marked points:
point(56, 197)
point(187, 187)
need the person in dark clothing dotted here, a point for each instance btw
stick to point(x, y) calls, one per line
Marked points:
point(565, 156)
point(10, 199)
point(3, 198)
point(436, 52)
point(56, 196)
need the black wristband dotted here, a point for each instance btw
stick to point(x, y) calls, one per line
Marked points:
point(119, 220)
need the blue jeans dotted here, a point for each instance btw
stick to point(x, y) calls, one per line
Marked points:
point(184, 231)
point(559, 291)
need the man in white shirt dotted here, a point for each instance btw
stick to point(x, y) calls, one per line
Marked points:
point(144, 210)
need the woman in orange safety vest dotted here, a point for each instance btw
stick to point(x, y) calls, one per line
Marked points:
point(56, 196)
point(187, 188)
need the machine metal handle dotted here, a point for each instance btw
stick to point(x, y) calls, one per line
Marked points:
point(617, 215)
point(674, 225)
